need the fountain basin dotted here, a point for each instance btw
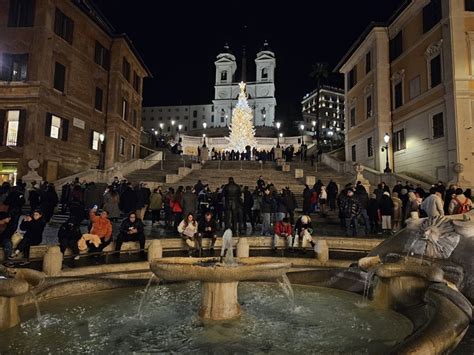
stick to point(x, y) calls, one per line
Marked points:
point(219, 281)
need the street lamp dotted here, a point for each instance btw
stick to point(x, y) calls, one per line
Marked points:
point(278, 125)
point(386, 139)
point(302, 131)
point(204, 140)
point(179, 129)
point(161, 128)
point(314, 128)
point(102, 151)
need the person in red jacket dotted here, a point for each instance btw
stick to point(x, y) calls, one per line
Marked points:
point(283, 229)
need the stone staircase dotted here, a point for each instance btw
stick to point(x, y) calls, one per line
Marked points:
point(157, 173)
point(320, 171)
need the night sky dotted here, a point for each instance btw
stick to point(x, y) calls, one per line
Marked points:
point(179, 41)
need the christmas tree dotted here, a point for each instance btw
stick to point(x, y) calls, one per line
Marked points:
point(242, 132)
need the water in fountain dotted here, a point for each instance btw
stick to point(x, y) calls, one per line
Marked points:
point(170, 325)
point(38, 312)
point(369, 279)
point(285, 285)
point(145, 293)
point(229, 257)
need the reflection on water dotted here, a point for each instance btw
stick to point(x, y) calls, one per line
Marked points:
point(323, 321)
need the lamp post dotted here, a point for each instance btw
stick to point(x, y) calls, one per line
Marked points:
point(161, 128)
point(102, 151)
point(278, 125)
point(179, 130)
point(302, 132)
point(204, 140)
point(314, 128)
point(386, 139)
point(172, 126)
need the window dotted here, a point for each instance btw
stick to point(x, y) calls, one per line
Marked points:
point(56, 127)
point(396, 46)
point(469, 5)
point(63, 26)
point(21, 13)
point(135, 118)
point(222, 119)
point(368, 62)
point(264, 73)
point(368, 106)
point(194, 124)
point(126, 69)
point(353, 153)
point(14, 67)
point(133, 149)
point(224, 75)
point(438, 125)
point(352, 78)
point(95, 139)
point(59, 76)
point(122, 146)
point(431, 15)
point(13, 123)
point(136, 82)
point(398, 94)
point(212, 118)
point(124, 109)
point(195, 113)
point(102, 56)
point(353, 116)
point(169, 129)
point(98, 99)
point(435, 71)
point(415, 87)
point(399, 140)
point(370, 147)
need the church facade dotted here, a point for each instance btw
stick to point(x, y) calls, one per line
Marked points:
point(261, 98)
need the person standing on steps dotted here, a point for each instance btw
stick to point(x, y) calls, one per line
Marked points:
point(332, 190)
point(233, 205)
point(267, 207)
point(350, 212)
point(247, 210)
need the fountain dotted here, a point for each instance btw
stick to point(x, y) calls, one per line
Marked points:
point(219, 281)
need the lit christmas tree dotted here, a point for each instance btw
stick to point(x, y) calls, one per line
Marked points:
point(242, 132)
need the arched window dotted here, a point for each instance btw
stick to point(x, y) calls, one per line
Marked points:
point(264, 73)
point(224, 75)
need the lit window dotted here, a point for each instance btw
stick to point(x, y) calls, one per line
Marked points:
point(95, 140)
point(13, 118)
point(55, 126)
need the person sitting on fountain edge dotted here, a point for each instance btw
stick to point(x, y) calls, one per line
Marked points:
point(102, 228)
point(68, 235)
point(303, 230)
point(283, 229)
point(188, 229)
point(207, 228)
point(131, 230)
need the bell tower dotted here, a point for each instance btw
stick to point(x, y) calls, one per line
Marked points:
point(265, 63)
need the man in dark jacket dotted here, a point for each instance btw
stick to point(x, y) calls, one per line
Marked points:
point(350, 211)
point(266, 209)
point(15, 201)
point(7, 228)
point(34, 227)
point(233, 205)
point(34, 197)
point(207, 228)
point(247, 210)
point(386, 210)
point(92, 196)
point(131, 230)
point(189, 202)
point(143, 200)
point(363, 198)
point(307, 200)
point(290, 202)
point(332, 190)
point(128, 199)
point(198, 187)
point(68, 235)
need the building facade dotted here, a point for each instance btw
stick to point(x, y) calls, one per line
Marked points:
point(219, 114)
point(330, 122)
point(412, 78)
point(70, 89)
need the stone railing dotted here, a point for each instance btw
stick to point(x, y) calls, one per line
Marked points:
point(119, 170)
point(373, 176)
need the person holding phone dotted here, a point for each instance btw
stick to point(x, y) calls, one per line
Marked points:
point(102, 228)
point(33, 226)
point(188, 229)
point(131, 230)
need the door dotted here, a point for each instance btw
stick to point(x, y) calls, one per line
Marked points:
point(51, 170)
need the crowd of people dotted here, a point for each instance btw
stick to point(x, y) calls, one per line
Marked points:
point(386, 210)
point(196, 212)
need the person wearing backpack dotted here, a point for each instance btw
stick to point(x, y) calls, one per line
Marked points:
point(459, 203)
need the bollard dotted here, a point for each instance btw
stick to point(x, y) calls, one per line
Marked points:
point(155, 250)
point(243, 248)
point(322, 251)
point(53, 261)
